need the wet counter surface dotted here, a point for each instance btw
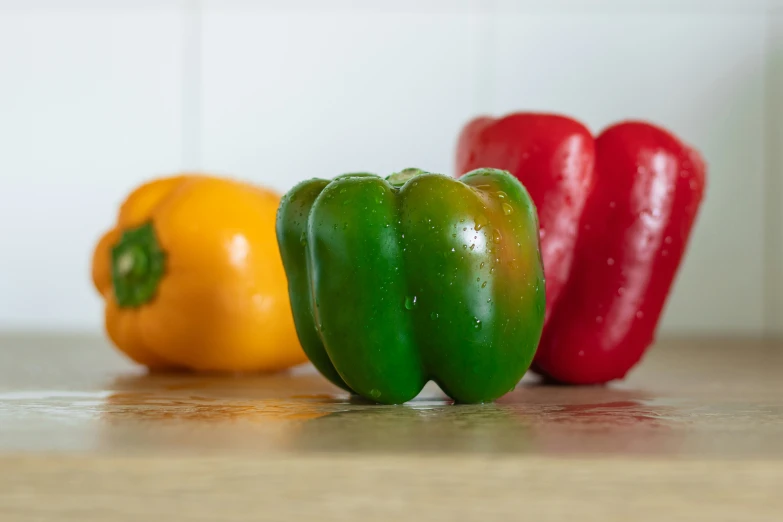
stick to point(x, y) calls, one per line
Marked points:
point(696, 429)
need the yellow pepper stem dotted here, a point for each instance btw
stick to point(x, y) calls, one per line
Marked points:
point(137, 266)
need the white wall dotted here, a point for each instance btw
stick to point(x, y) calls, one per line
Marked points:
point(774, 181)
point(96, 97)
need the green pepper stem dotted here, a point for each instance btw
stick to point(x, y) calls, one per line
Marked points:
point(399, 179)
point(137, 266)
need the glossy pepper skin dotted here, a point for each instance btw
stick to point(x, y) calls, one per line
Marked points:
point(553, 156)
point(416, 277)
point(639, 208)
point(192, 278)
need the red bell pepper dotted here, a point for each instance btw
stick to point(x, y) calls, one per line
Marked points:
point(553, 156)
point(615, 216)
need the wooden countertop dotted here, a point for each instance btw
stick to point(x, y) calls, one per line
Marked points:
point(694, 433)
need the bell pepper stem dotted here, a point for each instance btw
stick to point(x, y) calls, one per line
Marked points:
point(399, 179)
point(137, 266)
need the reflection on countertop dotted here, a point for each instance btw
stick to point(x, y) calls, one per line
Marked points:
point(688, 398)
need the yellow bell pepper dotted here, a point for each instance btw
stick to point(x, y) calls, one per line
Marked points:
point(192, 278)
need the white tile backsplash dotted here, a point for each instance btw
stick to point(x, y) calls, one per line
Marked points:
point(89, 106)
point(291, 95)
point(700, 76)
point(774, 181)
point(95, 98)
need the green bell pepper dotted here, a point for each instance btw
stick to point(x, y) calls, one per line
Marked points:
point(394, 282)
